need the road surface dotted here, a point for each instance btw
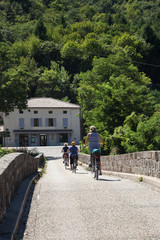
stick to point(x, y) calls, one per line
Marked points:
point(69, 206)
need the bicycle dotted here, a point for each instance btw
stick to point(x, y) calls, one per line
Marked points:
point(74, 157)
point(95, 163)
point(65, 160)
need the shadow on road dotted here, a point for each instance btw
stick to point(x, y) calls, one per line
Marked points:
point(77, 172)
point(81, 173)
point(49, 158)
point(109, 180)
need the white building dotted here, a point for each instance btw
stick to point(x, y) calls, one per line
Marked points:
point(45, 122)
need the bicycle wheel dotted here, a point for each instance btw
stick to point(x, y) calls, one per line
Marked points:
point(93, 168)
point(96, 173)
point(65, 163)
point(75, 165)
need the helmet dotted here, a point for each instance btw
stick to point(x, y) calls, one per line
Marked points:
point(73, 143)
point(92, 128)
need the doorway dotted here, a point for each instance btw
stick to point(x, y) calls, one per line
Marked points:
point(23, 140)
point(43, 140)
point(63, 137)
point(1, 141)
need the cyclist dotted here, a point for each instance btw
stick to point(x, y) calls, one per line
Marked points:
point(64, 150)
point(93, 138)
point(73, 150)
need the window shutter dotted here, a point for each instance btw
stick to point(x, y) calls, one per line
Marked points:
point(21, 122)
point(65, 122)
point(69, 137)
point(57, 138)
point(46, 122)
point(40, 122)
point(54, 122)
point(32, 122)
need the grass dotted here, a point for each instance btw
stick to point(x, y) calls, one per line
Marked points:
point(41, 171)
point(140, 179)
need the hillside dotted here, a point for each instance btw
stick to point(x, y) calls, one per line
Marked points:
point(101, 54)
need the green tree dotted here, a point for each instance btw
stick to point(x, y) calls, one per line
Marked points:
point(53, 82)
point(13, 88)
point(89, 11)
point(71, 55)
point(46, 52)
point(108, 104)
point(41, 30)
point(139, 133)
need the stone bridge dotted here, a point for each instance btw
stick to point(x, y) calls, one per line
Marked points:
point(15, 167)
point(143, 163)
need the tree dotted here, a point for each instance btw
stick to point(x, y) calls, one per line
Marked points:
point(46, 52)
point(53, 82)
point(139, 133)
point(71, 55)
point(108, 104)
point(89, 11)
point(41, 30)
point(13, 88)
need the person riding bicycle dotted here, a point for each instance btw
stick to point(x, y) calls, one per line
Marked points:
point(64, 150)
point(73, 150)
point(93, 138)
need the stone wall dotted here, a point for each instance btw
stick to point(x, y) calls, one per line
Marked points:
point(143, 163)
point(14, 168)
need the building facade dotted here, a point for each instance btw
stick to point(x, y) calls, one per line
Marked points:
point(45, 122)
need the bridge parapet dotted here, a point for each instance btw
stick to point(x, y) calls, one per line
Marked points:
point(143, 163)
point(15, 167)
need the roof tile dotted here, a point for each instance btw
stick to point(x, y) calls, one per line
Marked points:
point(45, 102)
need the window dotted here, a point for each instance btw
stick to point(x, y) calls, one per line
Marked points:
point(33, 139)
point(65, 122)
point(36, 122)
point(35, 112)
point(50, 112)
point(64, 112)
point(20, 111)
point(50, 122)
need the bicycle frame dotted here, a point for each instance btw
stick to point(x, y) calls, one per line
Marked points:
point(96, 165)
point(65, 160)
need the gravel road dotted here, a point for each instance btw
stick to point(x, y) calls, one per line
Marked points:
point(69, 206)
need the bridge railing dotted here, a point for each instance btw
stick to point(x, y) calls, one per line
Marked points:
point(143, 163)
point(15, 167)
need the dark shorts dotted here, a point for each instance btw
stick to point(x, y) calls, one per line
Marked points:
point(71, 159)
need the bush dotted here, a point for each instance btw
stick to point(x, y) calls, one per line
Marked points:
point(5, 151)
point(33, 152)
point(139, 133)
point(83, 149)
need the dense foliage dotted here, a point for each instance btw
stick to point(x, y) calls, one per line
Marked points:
point(101, 54)
point(4, 151)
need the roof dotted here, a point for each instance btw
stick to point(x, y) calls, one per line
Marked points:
point(42, 131)
point(49, 103)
